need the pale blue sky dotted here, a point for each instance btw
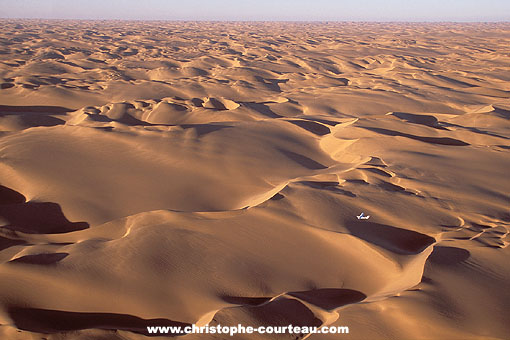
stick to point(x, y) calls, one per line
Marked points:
point(308, 10)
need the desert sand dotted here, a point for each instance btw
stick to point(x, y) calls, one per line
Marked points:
point(176, 173)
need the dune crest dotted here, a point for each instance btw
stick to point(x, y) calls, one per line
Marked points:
point(178, 173)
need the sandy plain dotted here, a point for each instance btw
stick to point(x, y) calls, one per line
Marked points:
point(160, 173)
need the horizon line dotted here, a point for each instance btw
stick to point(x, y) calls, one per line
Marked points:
point(269, 20)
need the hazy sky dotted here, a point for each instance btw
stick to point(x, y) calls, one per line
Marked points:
point(310, 10)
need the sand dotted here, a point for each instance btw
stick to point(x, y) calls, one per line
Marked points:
point(176, 173)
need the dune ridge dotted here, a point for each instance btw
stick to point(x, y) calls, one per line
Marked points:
point(163, 173)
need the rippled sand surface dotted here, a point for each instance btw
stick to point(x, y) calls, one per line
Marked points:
point(159, 173)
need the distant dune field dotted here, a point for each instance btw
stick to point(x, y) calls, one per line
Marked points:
point(178, 173)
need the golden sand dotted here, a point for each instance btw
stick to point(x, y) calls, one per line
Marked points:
point(211, 173)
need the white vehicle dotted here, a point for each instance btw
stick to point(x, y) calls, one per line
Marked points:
point(361, 217)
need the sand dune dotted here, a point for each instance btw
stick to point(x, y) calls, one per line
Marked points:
point(158, 173)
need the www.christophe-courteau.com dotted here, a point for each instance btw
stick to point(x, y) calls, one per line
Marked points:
point(240, 329)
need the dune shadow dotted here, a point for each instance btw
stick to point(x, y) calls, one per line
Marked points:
point(9, 196)
point(52, 321)
point(216, 104)
point(397, 240)
point(312, 127)
point(454, 81)
point(280, 312)
point(357, 181)
point(303, 160)
point(245, 301)
point(447, 256)
point(324, 121)
point(7, 242)
point(476, 130)
point(330, 186)
point(5, 86)
point(344, 192)
point(427, 120)
point(132, 121)
point(197, 102)
point(126, 119)
point(502, 113)
point(377, 171)
point(34, 120)
point(34, 217)
point(33, 116)
point(277, 197)
point(330, 298)
point(204, 129)
point(432, 140)
point(393, 188)
point(40, 259)
point(54, 110)
point(320, 185)
point(38, 218)
point(262, 109)
point(271, 84)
